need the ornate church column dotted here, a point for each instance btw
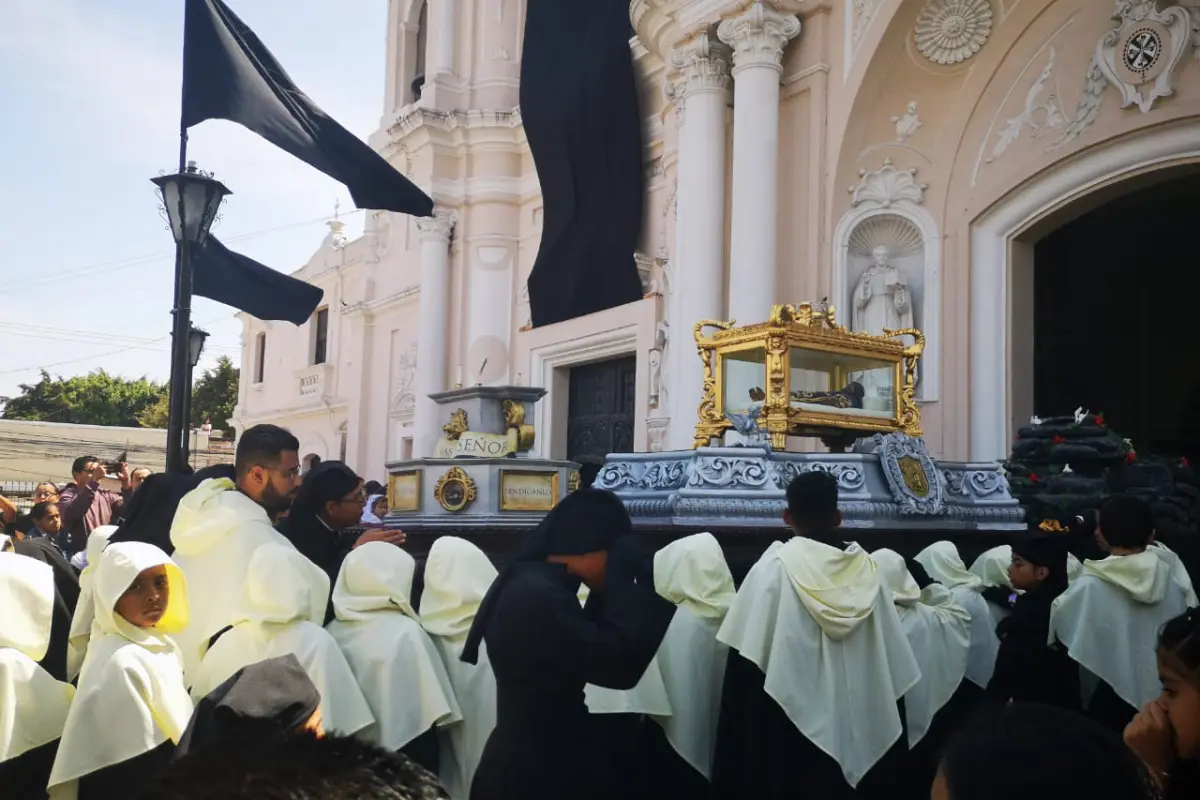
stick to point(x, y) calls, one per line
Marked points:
point(434, 233)
point(701, 93)
point(757, 36)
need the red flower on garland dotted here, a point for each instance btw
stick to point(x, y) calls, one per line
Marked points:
point(1100, 420)
point(1130, 457)
point(1183, 462)
point(1033, 477)
point(1058, 440)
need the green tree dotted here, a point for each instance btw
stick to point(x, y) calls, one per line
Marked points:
point(214, 395)
point(156, 416)
point(93, 399)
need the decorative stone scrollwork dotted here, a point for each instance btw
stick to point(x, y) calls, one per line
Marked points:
point(645, 476)
point(951, 31)
point(887, 186)
point(729, 473)
point(977, 483)
point(1139, 57)
point(850, 478)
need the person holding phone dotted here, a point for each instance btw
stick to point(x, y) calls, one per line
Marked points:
point(85, 506)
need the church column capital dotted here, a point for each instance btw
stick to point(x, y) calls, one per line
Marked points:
point(700, 64)
point(758, 35)
point(438, 227)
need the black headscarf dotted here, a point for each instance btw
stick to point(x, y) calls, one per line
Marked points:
point(66, 596)
point(148, 515)
point(270, 698)
point(1049, 551)
point(330, 480)
point(585, 521)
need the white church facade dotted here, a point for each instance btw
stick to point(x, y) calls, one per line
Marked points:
point(1012, 177)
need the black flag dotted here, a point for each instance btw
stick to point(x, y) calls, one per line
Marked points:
point(579, 105)
point(235, 280)
point(229, 74)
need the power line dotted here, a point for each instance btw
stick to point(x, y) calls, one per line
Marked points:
point(87, 337)
point(117, 265)
point(96, 355)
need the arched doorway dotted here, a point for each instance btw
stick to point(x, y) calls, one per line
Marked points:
point(1114, 302)
point(1003, 253)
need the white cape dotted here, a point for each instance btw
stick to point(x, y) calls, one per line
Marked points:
point(277, 614)
point(33, 705)
point(937, 630)
point(692, 573)
point(457, 576)
point(1110, 617)
point(840, 690)
point(81, 621)
point(399, 670)
point(131, 696)
point(215, 532)
point(943, 563)
point(648, 697)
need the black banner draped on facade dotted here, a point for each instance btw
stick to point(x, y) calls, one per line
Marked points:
point(579, 105)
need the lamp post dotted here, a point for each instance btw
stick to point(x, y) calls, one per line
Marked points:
point(190, 199)
point(196, 339)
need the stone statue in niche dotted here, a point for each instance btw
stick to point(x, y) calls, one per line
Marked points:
point(881, 302)
point(881, 297)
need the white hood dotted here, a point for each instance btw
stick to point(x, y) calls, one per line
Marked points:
point(395, 663)
point(131, 696)
point(216, 532)
point(33, 705)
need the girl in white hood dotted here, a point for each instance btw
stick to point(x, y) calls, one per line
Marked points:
point(34, 707)
point(132, 706)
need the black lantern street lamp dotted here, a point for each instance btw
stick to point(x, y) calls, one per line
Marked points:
point(191, 199)
point(196, 339)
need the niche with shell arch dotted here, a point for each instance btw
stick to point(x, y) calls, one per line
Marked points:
point(910, 236)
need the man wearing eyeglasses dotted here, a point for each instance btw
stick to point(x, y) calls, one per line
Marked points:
point(220, 524)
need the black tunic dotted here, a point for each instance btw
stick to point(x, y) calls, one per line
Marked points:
point(66, 595)
point(1027, 668)
point(25, 777)
point(761, 754)
point(544, 649)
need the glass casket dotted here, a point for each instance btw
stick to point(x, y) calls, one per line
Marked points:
point(801, 374)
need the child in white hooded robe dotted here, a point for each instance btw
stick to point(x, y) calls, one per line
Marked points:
point(277, 614)
point(457, 576)
point(943, 563)
point(692, 573)
point(132, 706)
point(34, 713)
point(393, 659)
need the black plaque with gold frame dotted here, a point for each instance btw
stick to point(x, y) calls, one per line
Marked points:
point(404, 492)
point(523, 490)
point(455, 490)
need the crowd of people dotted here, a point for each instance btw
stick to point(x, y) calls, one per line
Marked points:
point(247, 631)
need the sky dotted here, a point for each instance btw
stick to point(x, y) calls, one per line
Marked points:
point(91, 113)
